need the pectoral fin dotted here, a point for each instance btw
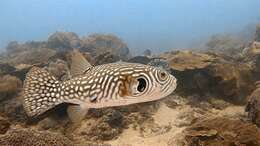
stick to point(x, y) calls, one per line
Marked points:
point(76, 113)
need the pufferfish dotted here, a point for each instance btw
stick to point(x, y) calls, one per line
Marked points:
point(107, 85)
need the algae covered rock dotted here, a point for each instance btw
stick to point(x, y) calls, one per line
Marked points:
point(31, 56)
point(59, 69)
point(106, 57)
point(187, 60)
point(98, 44)
point(4, 125)
point(222, 132)
point(139, 59)
point(9, 85)
point(106, 125)
point(253, 107)
point(147, 52)
point(64, 41)
point(13, 109)
point(109, 123)
point(6, 68)
point(226, 44)
point(210, 73)
point(257, 33)
point(29, 137)
point(160, 63)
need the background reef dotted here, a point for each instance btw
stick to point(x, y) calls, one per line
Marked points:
point(217, 101)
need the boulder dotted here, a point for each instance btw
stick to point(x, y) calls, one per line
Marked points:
point(108, 123)
point(64, 41)
point(107, 127)
point(257, 33)
point(9, 85)
point(15, 47)
point(187, 60)
point(226, 44)
point(160, 63)
point(32, 56)
point(13, 109)
point(21, 71)
point(251, 57)
point(139, 59)
point(6, 68)
point(4, 125)
point(105, 58)
point(253, 107)
point(147, 52)
point(252, 51)
point(210, 73)
point(59, 69)
point(221, 131)
point(98, 44)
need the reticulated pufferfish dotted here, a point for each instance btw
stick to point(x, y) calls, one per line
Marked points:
point(108, 85)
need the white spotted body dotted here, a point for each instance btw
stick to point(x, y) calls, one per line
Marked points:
point(107, 85)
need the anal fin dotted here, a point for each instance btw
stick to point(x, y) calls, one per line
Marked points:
point(76, 113)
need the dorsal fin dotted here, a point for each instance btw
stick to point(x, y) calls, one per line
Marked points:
point(79, 64)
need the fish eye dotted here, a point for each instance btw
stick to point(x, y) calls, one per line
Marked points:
point(141, 84)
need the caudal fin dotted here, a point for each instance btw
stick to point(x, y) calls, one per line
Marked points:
point(41, 92)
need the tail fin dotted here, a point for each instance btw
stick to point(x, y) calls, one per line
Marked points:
point(41, 92)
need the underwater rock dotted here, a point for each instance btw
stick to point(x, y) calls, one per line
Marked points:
point(21, 71)
point(64, 41)
point(98, 44)
point(31, 56)
point(150, 129)
point(106, 57)
point(9, 86)
point(4, 125)
point(187, 60)
point(253, 107)
point(139, 59)
point(147, 52)
point(98, 129)
point(252, 52)
point(210, 73)
point(15, 47)
point(251, 57)
point(222, 132)
point(257, 33)
point(100, 125)
point(226, 44)
point(108, 123)
point(29, 137)
point(6, 68)
point(59, 69)
point(89, 57)
point(13, 109)
point(161, 63)
point(92, 144)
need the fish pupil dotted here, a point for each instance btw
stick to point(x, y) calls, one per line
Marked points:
point(142, 84)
